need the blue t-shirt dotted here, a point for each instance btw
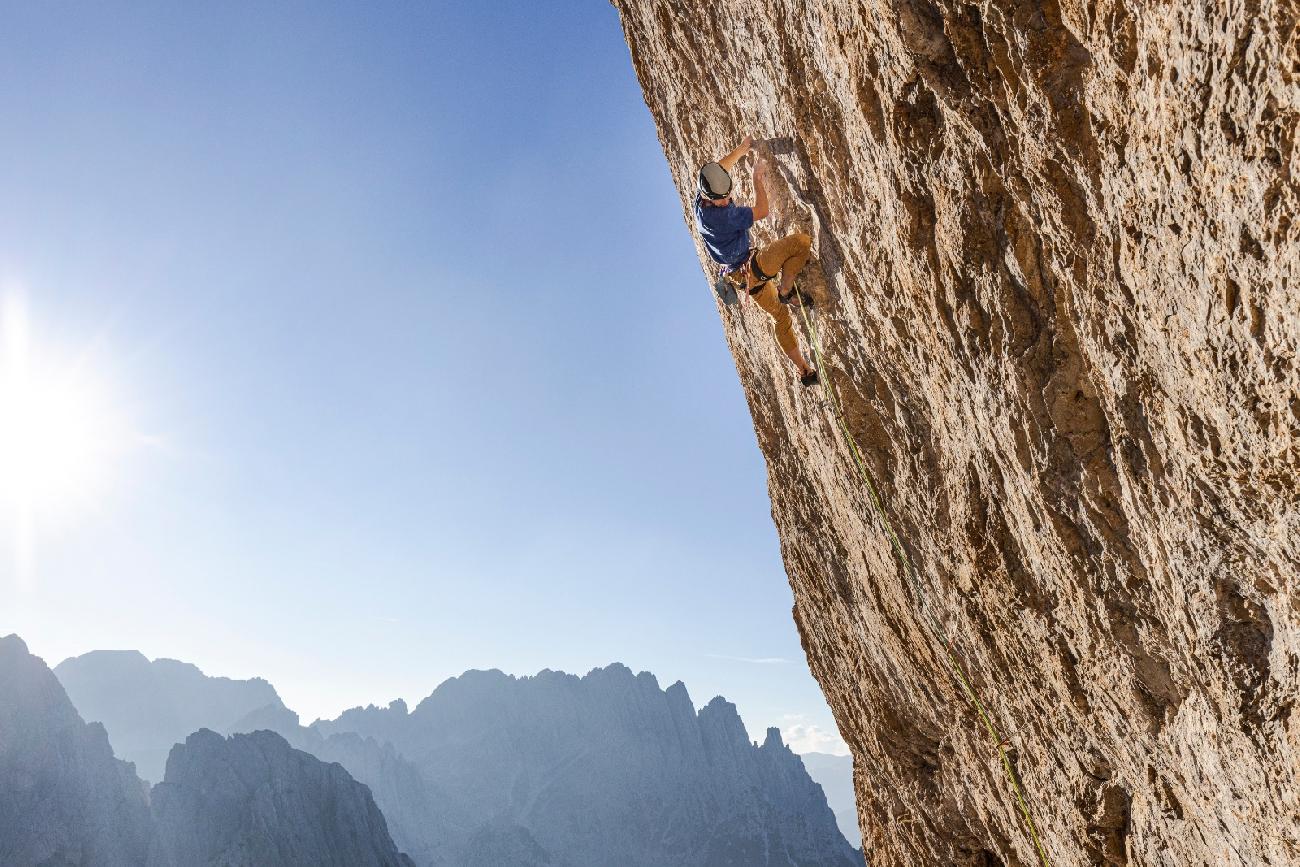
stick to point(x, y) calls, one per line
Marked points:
point(725, 230)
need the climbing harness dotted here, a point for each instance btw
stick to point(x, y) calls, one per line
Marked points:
point(732, 277)
point(1001, 743)
point(763, 279)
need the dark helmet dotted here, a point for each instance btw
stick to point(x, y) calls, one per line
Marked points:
point(715, 183)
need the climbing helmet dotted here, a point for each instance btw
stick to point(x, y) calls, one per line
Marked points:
point(715, 183)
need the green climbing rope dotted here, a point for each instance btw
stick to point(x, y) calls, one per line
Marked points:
point(909, 570)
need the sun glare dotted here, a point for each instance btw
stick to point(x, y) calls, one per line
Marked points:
point(56, 428)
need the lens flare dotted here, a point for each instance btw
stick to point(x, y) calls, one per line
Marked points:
point(51, 441)
point(58, 432)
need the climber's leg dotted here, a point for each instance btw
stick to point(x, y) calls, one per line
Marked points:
point(788, 256)
point(782, 323)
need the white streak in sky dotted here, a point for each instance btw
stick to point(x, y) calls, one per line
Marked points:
point(753, 660)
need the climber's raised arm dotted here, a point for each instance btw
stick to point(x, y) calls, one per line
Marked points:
point(760, 190)
point(734, 157)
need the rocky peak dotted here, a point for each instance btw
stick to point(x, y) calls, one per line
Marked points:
point(64, 798)
point(606, 768)
point(245, 802)
point(170, 700)
point(563, 757)
point(251, 800)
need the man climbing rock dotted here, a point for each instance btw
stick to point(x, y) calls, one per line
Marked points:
point(724, 227)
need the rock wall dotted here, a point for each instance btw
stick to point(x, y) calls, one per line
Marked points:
point(1056, 250)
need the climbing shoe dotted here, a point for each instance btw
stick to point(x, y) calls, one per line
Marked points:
point(805, 300)
point(809, 378)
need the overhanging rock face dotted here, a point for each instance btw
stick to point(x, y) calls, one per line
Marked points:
point(1059, 252)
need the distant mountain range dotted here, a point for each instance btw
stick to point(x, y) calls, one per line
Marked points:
point(611, 769)
point(553, 770)
point(247, 801)
point(835, 775)
point(253, 800)
point(150, 706)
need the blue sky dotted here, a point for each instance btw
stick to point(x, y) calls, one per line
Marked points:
point(420, 370)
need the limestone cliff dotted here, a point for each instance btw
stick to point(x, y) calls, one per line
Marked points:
point(1056, 246)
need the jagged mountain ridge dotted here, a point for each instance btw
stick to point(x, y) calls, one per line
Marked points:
point(428, 822)
point(64, 799)
point(835, 775)
point(1058, 252)
point(171, 700)
point(566, 770)
point(249, 801)
point(655, 782)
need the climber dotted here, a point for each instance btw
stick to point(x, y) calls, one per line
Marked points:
point(724, 228)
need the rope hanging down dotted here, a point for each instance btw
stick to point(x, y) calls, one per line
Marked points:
point(959, 673)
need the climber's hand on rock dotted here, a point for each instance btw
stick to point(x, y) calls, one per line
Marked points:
point(760, 190)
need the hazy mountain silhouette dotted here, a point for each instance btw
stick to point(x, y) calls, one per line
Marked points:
point(550, 770)
point(64, 798)
point(608, 768)
point(835, 775)
point(252, 801)
point(554, 770)
point(249, 801)
point(169, 701)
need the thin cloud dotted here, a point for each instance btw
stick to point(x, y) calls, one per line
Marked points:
point(753, 660)
point(803, 736)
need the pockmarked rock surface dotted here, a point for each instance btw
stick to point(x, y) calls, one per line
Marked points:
point(1058, 259)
